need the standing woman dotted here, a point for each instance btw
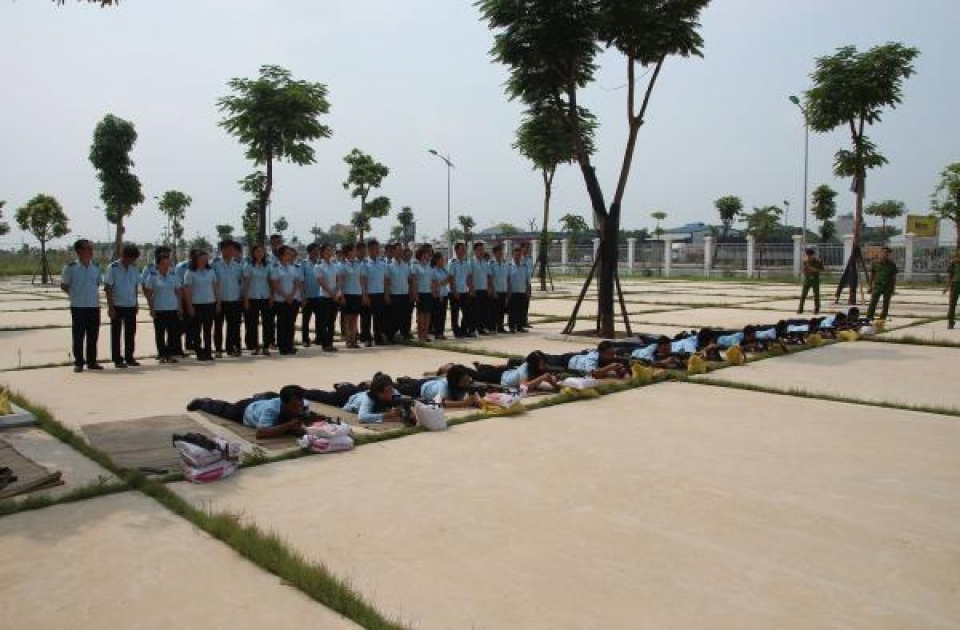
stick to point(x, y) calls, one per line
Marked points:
point(201, 289)
point(438, 319)
point(327, 272)
point(287, 280)
point(427, 293)
point(162, 288)
point(257, 300)
point(351, 298)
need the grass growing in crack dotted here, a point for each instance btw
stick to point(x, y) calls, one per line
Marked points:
point(913, 340)
point(38, 501)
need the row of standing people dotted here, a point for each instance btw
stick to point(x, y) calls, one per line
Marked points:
point(201, 304)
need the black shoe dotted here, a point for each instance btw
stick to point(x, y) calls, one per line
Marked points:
point(94, 366)
point(306, 343)
point(196, 403)
point(330, 349)
point(78, 368)
point(133, 363)
point(118, 364)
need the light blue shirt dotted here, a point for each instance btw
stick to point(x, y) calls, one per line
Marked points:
point(164, 289)
point(311, 288)
point(584, 363)
point(230, 279)
point(124, 281)
point(432, 390)
point(481, 275)
point(518, 276)
point(514, 377)
point(262, 414)
point(459, 270)
point(352, 271)
point(181, 270)
point(83, 284)
point(258, 281)
point(364, 406)
point(288, 276)
point(686, 345)
point(529, 264)
point(424, 277)
point(327, 272)
point(767, 334)
point(399, 274)
point(798, 328)
point(442, 276)
point(201, 282)
point(728, 341)
point(645, 354)
point(146, 272)
point(501, 275)
point(375, 271)
point(828, 322)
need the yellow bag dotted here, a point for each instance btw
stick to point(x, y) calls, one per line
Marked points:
point(815, 340)
point(848, 335)
point(515, 409)
point(734, 356)
point(696, 365)
point(641, 374)
point(5, 407)
point(573, 392)
point(880, 325)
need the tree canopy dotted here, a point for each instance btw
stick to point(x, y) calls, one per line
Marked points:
point(466, 226)
point(886, 211)
point(729, 208)
point(173, 204)
point(43, 217)
point(823, 205)
point(275, 117)
point(762, 222)
point(364, 176)
point(281, 225)
point(224, 231)
point(945, 202)
point(4, 227)
point(120, 190)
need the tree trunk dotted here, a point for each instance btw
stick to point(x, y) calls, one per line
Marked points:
point(857, 226)
point(542, 258)
point(44, 267)
point(608, 253)
point(264, 200)
point(118, 239)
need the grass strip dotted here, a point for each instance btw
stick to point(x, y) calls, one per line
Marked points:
point(82, 493)
point(913, 340)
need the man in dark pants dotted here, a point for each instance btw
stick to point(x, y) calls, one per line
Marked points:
point(953, 286)
point(121, 283)
point(883, 280)
point(376, 270)
point(230, 284)
point(479, 305)
point(311, 296)
point(270, 414)
point(397, 291)
point(499, 271)
point(81, 281)
point(518, 288)
point(812, 266)
point(459, 285)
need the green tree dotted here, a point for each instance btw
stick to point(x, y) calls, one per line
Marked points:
point(4, 227)
point(200, 242)
point(886, 211)
point(275, 117)
point(658, 216)
point(406, 222)
point(823, 205)
point(364, 176)
point(281, 225)
point(762, 222)
point(318, 234)
point(729, 208)
point(945, 202)
point(850, 90)
point(466, 226)
point(551, 48)
point(120, 190)
point(545, 138)
point(173, 204)
point(224, 231)
point(44, 218)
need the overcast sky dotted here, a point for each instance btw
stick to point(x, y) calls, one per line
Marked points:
point(408, 75)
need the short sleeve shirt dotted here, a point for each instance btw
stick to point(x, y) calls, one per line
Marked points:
point(230, 279)
point(481, 275)
point(124, 282)
point(83, 284)
point(201, 282)
point(399, 274)
point(258, 281)
point(261, 414)
point(514, 377)
point(460, 270)
point(164, 287)
point(288, 276)
point(424, 277)
point(812, 268)
point(352, 272)
point(327, 272)
point(519, 277)
point(645, 353)
point(435, 389)
point(584, 363)
point(311, 288)
point(884, 275)
point(500, 270)
point(376, 271)
point(442, 276)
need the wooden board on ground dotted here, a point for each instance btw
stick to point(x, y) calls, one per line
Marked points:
point(30, 475)
point(352, 419)
point(144, 443)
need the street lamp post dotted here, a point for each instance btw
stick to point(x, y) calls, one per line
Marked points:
point(446, 160)
point(786, 214)
point(806, 163)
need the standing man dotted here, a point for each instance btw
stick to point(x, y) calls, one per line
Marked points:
point(479, 305)
point(286, 279)
point(954, 286)
point(81, 281)
point(120, 283)
point(499, 269)
point(398, 290)
point(229, 272)
point(883, 280)
point(188, 336)
point(311, 295)
point(376, 271)
point(327, 274)
point(459, 280)
point(812, 266)
point(518, 287)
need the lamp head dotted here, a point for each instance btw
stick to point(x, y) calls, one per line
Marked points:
point(433, 151)
point(794, 99)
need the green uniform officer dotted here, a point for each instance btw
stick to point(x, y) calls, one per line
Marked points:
point(954, 287)
point(883, 280)
point(812, 266)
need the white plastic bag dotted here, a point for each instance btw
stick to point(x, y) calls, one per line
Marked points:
point(502, 399)
point(579, 382)
point(197, 456)
point(318, 444)
point(430, 418)
point(329, 429)
point(206, 474)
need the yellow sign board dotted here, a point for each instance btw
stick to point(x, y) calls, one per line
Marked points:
point(923, 225)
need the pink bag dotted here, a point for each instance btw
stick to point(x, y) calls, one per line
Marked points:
point(206, 474)
point(317, 444)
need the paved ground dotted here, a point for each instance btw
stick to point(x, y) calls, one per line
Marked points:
point(700, 506)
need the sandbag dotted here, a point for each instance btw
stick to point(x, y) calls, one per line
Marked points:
point(733, 356)
point(319, 444)
point(641, 374)
point(815, 340)
point(428, 417)
point(696, 365)
point(6, 408)
point(880, 325)
point(848, 335)
point(206, 474)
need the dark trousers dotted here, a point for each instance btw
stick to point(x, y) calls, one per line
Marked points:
point(499, 311)
point(190, 330)
point(366, 318)
point(875, 296)
point(808, 285)
point(410, 387)
point(337, 397)
point(396, 311)
point(229, 318)
point(373, 318)
point(487, 373)
point(438, 319)
point(952, 304)
point(166, 331)
point(479, 309)
point(259, 315)
point(516, 309)
point(458, 315)
point(286, 316)
point(526, 310)
point(86, 332)
point(125, 320)
point(204, 314)
point(326, 321)
point(311, 310)
point(560, 360)
point(407, 320)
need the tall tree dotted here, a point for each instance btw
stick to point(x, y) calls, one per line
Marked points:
point(364, 176)
point(886, 211)
point(466, 225)
point(823, 205)
point(318, 234)
point(658, 216)
point(729, 208)
point(573, 226)
point(281, 225)
point(406, 225)
point(551, 49)
point(4, 227)
point(173, 204)
point(224, 231)
point(762, 222)
point(850, 90)
point(275, 117)
point(945, 202)
point(43, 217)
point(545, 138)
point(509, 229)
point(120, 190)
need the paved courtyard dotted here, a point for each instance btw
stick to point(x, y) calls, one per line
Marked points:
point(799, 491)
